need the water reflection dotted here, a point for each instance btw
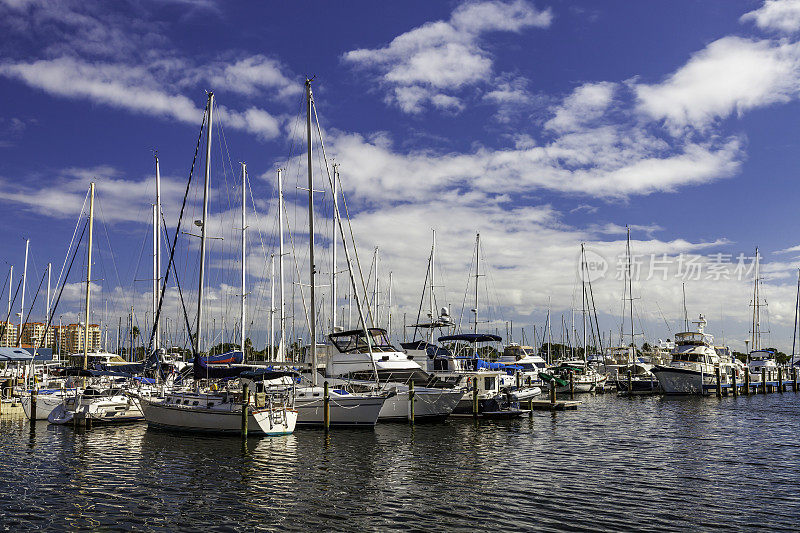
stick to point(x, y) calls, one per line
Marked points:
point(641, 463)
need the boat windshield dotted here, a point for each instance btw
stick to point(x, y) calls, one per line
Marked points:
point(688, 357)
point(356, 341)
point(690, 338)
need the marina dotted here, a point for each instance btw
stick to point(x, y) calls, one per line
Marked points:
point(476, 265)
point(533, 472)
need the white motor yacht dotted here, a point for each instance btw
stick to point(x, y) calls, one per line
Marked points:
point(694, 364)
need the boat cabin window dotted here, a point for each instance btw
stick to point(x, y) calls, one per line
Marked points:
point(356, 341)
point(690, 357)
point(488, 383)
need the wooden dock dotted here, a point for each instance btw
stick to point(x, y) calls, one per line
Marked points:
point(559, 405)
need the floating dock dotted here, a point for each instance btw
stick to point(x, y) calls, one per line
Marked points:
point(558, 405)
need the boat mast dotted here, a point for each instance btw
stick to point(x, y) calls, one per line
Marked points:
point(333, 246)
point(375, 291)
point(243, 310)
point(312, 267)
point(632, 352)
point(756, 337)
point(24, 281)
point(796, 308)
point(201, 281)
point(47, 316)
point(389, 308)
point(583, 296)
point(10, 284)
point(433, 278)
point(282, 311)
point(88, 278)
point(272, 305)
point(157, 256)
point(477, 274)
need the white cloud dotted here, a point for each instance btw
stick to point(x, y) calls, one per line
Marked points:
point(778, 15)
point(432, 62)
point(731, 75)
point(129, 87)
point(586, 103)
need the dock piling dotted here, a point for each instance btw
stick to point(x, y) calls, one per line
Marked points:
point(552, 392)
point(763, 381)
point(326, 407)
point(34, 394)
point(794, 379)
point(733, 384)
point(411, 402)
point(475, 397)
point(572, 384)
point(245, 409)
point(780, 379)
point(747, 381)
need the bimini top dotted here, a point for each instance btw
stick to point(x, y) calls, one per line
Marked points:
point(471, 337)
point(267, 374)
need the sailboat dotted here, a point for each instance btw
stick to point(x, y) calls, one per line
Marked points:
point(92, 404)
point(346, 408)
point(635, 377)
point(759, 360)
point(270, 393)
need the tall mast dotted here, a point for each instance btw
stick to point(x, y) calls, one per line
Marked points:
point(282, 311)
point(243, 313)
point(796, 308)
point(157, 256)
point(375, 290)
point(756, 333)
point(389, 308)
point(583, 296)
point(312, 268)
point(433, 277)
point(47, 316)
point(477, 274)
point(333, 246)
point(685, 314)
point(202, 276)
point(10, 284)
point(88, 278)
point(630, 295)
point(24, 281)
point(272, 305)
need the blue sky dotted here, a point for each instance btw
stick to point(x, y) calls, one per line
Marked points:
point(540, 124)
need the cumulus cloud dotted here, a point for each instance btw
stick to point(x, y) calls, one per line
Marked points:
point(587, 103)
point(777, 15)
point(430, 64)
point(731, 75)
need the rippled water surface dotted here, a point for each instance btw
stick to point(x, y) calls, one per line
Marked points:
point(648, 463)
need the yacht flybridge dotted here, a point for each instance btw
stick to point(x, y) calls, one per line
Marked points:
point(694, 364)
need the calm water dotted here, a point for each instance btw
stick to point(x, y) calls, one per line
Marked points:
point(649, 464)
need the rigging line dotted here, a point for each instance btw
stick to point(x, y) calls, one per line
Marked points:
point(299, 277)
point(63, 285)
point(110, 250)
point(5, 284)
point(74, 232)
point(30, 310)
point(347, 214)
point(422, 298)
point(171, 262)
point(8, 316)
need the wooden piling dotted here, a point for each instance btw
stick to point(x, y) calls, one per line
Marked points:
point(552, 392)
point(34, 394)
point(245, 409)
point(794, 379)
point(572, 384)
point(747, 380)
point(475, 396)
point(763, 380)
point(733, 383)
point(411, 402)
point(780, 379)
point(519, 379)
point(630, 382)
point(718, 375)
point(326, 408)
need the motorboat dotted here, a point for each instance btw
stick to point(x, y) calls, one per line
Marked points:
point(694, 364)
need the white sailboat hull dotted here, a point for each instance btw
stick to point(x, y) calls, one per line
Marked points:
point(345, 409)
point(45, 403)
point(104, 410)
point(270, 422)
point(430, 404)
